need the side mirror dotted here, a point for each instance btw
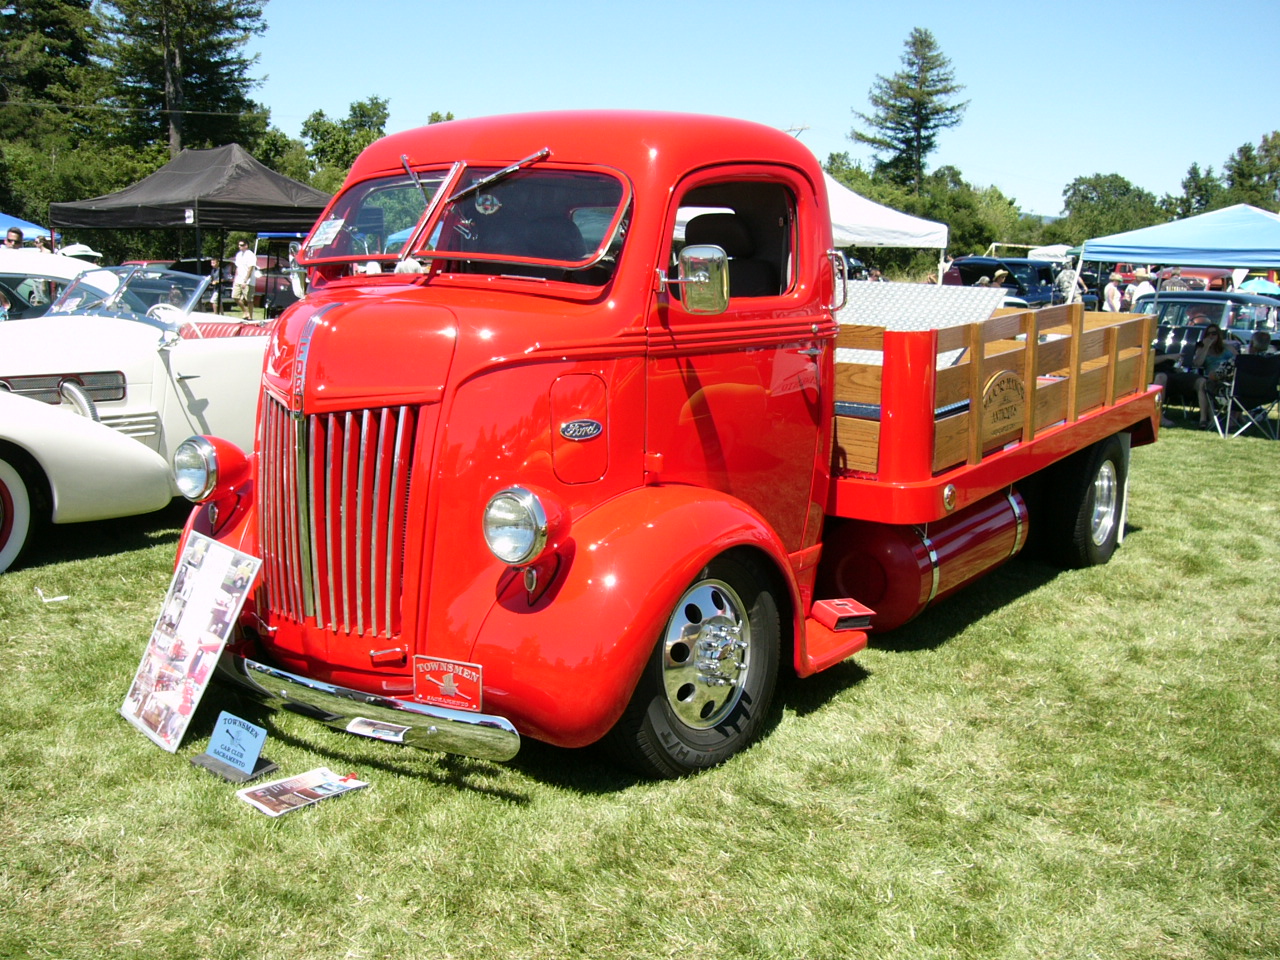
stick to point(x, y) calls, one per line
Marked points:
point(703, 270)
point(297, 274)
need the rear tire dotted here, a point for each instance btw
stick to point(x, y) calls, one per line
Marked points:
point(17, 518)
point(1090, 489)
point(707, 687)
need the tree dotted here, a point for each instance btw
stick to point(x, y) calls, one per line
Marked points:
point(1201, 192)
point(180, 69)
point(1101, 205)
point(1252, 175)
point(333, 145)
point(47, 71)
point(910, 109)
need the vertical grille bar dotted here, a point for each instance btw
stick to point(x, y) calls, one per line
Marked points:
point(332, 510)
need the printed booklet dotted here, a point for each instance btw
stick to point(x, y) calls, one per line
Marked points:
point(281, 796)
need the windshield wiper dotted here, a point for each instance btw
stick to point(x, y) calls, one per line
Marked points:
point(501, 174)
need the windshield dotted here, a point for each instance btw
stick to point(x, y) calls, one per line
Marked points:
point(373, 219)
point(130, 290)
point(569, 218)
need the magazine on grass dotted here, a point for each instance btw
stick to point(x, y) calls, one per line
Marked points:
point(281, 796)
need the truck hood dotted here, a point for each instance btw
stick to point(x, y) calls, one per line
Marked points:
point(362, 352)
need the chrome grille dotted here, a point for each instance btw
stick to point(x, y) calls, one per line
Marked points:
point(334, 490)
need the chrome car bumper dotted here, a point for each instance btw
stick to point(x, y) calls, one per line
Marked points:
point(428, 728)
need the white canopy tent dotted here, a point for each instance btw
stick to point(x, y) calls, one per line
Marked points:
point(859, 222)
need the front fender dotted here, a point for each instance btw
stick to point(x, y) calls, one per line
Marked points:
point(564, 667)
point(94, 473)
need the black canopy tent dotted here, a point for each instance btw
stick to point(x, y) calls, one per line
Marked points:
point(223, 189)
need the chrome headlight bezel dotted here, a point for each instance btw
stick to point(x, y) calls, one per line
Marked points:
point(195, 468)
point(515, 526)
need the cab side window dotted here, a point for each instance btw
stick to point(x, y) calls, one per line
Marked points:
point(753, 222)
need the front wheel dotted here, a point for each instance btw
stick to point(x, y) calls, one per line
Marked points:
point(706, 690)
point(16, 517)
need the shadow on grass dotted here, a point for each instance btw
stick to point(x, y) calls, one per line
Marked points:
point(953, 615)
point(586, 771)
point(592, 770)
point(69, 542)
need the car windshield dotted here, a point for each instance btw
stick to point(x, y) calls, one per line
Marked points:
point(374, 218)
point(122, 291)
point(536, 215)
point(530, 221)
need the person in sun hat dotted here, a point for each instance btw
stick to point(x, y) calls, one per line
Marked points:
point(1141, 285)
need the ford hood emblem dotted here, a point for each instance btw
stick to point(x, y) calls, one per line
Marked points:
point(581, 429)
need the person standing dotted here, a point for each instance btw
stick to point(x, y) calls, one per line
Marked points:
point(1112, 295)
point(245, 262)
point(1068, 284)
point(13, 239)
point(1142, 285)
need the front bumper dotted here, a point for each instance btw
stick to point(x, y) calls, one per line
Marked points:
point(428, 728)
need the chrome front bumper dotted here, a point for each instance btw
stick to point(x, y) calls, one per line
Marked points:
point(428, 728)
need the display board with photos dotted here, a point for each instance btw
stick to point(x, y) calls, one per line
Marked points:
point(208, 590)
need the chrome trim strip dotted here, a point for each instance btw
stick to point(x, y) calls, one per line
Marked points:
point(381, 501)
point(1019, 515)
point(342, 533)
point(397, 508)
point(485, 736)
point(302, 524)
point(362, 505)
point(933, 561)
point(330, 455)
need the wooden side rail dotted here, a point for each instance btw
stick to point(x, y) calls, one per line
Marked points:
point(1015, 375)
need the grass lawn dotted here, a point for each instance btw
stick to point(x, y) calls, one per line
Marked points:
point(1050, 764)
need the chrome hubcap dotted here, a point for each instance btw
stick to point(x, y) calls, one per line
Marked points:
point(1106, 502)
point(705, 654)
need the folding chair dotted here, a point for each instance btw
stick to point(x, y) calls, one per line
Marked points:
point(1251, 399)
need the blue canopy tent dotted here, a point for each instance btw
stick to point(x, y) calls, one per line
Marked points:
point(1238, 236)
point(29, 230)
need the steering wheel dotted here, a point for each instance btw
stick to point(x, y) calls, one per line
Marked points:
point(166, 313)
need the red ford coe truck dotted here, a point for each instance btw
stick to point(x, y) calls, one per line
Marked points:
point(607, 440)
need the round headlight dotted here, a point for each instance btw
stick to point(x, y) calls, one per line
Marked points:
point(515, 526)
point(195, 468)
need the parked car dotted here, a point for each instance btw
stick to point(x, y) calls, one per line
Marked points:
point(1028, 280)
point(96, 393)
point(31, 280)
point(1239, 313)
point(274, 285)
point(1198, 278)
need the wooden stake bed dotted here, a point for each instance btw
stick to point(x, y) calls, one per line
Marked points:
point(947, 416)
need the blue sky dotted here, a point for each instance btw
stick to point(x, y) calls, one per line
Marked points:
point(1055, 91)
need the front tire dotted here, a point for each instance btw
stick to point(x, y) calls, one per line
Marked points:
point(1091, 490)
point(16, 515)
point(706, 690)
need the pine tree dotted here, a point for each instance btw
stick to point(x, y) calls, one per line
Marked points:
point(181, 70)
point(910, 108)
point(47, 71)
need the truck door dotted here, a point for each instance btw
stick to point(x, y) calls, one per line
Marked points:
point(733, 400)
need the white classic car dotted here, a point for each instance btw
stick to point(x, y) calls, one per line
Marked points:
point(31, 280)
point(97, 392)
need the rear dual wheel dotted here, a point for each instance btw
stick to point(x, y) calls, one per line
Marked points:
point(1089, 492)
point(706, 690)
